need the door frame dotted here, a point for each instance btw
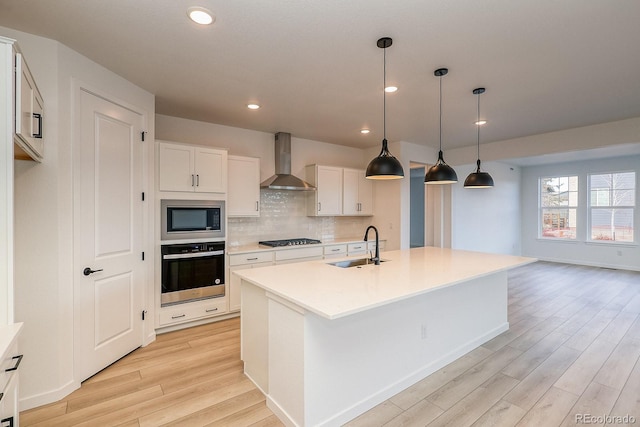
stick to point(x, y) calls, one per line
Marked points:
point(148, 212)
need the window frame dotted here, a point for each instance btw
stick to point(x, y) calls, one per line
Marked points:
point(591, 208)
point(568, 207)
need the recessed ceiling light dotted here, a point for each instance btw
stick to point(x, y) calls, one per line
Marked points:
point(481, 122)
point(390, 89)
point(365, 131)
point(253, 106)
point(200, 15)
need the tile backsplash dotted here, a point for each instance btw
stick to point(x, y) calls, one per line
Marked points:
point(283, 215)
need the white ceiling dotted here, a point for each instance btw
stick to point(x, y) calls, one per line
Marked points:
point(316, 70)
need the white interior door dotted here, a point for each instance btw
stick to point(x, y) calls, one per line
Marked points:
point(110, 276)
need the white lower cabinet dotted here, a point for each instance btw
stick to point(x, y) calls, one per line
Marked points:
point(359, 248)
point(243, 262)
point(332, 251)
point(310, 253)
point(10, 362)
point(180, 313)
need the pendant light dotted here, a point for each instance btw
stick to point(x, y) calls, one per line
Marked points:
point(478, 179)
point(441, 172)
point(385, 166)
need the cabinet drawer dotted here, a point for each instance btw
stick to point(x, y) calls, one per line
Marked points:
point(10, 360)
point(290, 254)
point(250, 258)
point(192, 311)
point(357, 248)
point(331, 250)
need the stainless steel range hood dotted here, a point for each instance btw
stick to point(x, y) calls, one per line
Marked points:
point(283, 180)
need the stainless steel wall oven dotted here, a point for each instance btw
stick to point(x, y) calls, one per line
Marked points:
point(192, 271)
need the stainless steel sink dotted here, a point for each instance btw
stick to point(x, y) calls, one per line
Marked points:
point(353, 262)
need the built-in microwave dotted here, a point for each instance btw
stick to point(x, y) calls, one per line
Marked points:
point(192, 219)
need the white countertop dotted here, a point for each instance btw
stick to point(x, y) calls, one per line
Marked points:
point(334, 292)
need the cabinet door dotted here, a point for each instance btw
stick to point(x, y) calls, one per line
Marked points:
point(175, 166)
point(365, 194)
point(351, 203)
point(210, 170)
point(243, 198)
point(329, 191)
point(29, 109)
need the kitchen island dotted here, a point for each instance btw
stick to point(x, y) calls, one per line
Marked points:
point(325, 343)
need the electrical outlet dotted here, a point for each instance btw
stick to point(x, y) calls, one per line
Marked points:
point(423, 331)
point(619, 253)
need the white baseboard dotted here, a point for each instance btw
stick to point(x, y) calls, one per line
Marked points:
point(30, 402)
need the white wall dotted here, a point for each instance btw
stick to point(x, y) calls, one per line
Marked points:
point(580, 251)
point(487, 220)
point(44, 227)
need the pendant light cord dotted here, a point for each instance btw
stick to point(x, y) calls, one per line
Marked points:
point(384, 94)
point(478, 126)
point(440, 113)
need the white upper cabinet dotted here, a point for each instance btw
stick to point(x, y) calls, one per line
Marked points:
point(327, 199)
point(357, 193)
point(192, 169)
point(29, 112)
point(339, 192)
point(243, 195)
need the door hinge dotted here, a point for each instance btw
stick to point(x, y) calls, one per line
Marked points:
point(144, 312)
point(143, 196)
point(142, 134)
point(143, 256)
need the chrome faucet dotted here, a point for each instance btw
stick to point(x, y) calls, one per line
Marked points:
point(376, 258)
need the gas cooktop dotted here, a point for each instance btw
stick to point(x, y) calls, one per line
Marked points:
point(289, 242)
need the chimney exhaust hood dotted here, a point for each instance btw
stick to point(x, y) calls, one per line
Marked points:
point(283, 180)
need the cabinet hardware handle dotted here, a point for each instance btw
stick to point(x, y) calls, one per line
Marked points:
point(319, 206)
point(15, 367)
point(335, 250)
point(87, 271)
point(1, 396)
point(193, 177)
point(252, 259)
point(211, 310)
point(257, 206)
point(6, 420)
point(38, 117)
point(357, 247)
point(197, 180)
point(178, 316)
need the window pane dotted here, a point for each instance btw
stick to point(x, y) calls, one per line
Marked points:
point(612, 224)
point(559, 223)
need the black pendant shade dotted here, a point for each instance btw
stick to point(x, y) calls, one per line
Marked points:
point(385, 166)
point(478, 179)
point(441, 172)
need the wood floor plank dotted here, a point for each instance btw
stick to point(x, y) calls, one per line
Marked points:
point(616, 369)
point(378, 416)
point(533, 357)
point(596, 400)
point(471, 407)
point(448, 395)
point(502, 414)
point(552, 408)
point(419, 391)
point(418, 415)
point(578, 376)
point(539, 381)
point(628, 403)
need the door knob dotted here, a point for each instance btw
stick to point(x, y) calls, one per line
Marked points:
point(87, 271)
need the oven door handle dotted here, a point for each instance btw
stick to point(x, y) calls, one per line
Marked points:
point(193, 255)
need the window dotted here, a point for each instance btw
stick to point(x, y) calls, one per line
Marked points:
point(558, 206)
point(611, 206)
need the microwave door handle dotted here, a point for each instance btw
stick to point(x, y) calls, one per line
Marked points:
point(193, 255)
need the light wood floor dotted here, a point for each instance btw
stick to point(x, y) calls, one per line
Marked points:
point(573, 348)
